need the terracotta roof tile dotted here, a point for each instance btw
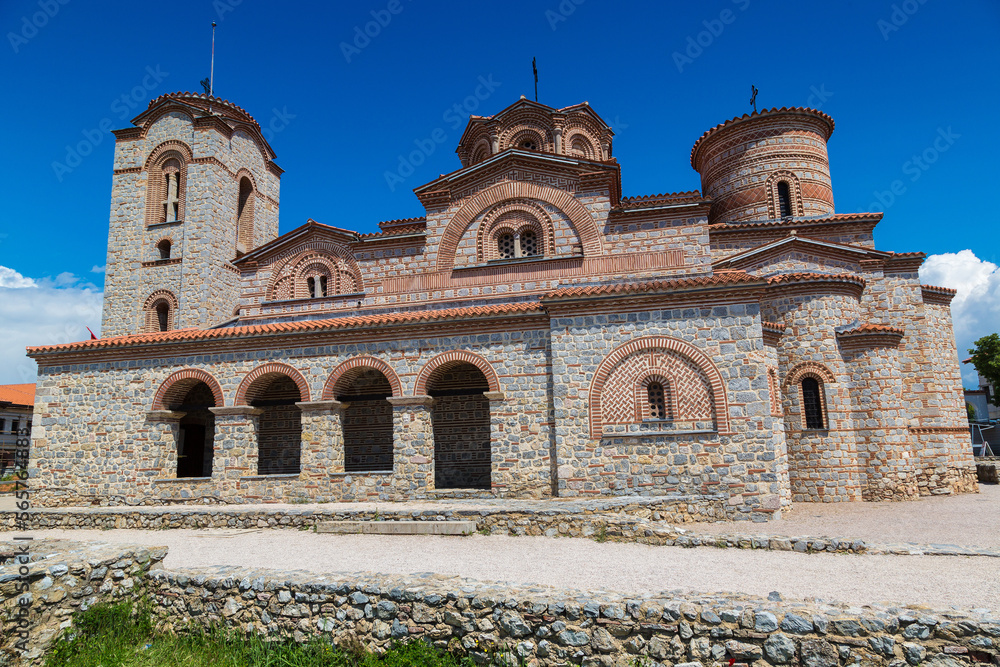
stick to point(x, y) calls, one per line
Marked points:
point(18, 394)
point(406, 222)
point(939, 290)
point(809, 277)
point(795, 222)
point(759, 114)
point(867, 328)
point(665, 198)
point(719, 279)
point(202, 101)
point(277, 328)
point(773, 326)
point(402, 230)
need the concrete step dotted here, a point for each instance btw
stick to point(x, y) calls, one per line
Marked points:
point(398, 527)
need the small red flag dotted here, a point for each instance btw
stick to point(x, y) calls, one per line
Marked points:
point(92, 336)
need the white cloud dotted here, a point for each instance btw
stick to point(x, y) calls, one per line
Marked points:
point(11, 278)
point(99, 269)
point(42, 312)
point(976, 308)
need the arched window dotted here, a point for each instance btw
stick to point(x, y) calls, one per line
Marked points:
point(171, 173)
point(506, 246)
point(163, 316)
point(159, 312)
point(657, 401)
point(529, 145)
point(529, 243)
point(784, 199)
point(812, 402)
point(164, 248)
point(244, 217)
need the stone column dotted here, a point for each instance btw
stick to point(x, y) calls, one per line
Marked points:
point(558, 134)
point(164, 436)
point(322, 439)
point(235, 450)
point(412, 446)
point(504, 434)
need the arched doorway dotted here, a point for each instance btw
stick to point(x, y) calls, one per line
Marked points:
point(461, 423)
point(197, 431)
point(279, 431)
point(367, 421)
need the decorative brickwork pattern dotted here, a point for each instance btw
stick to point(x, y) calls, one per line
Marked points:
point(176, 386)
point(449, 359)
point(256, 381)
point(696, 382)
point(342, 377)
point(159, 312)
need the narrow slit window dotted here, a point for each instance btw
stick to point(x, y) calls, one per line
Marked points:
point(784, 199)
point(322, 286)
point(164, 248)
point(311, 284)
point(163, 316)
point(812, 403)
point(657, 401)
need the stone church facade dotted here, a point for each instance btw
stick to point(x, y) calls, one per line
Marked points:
point(534, 334)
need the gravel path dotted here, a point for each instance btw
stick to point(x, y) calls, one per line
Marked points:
point(971, 519)
point(584, 564)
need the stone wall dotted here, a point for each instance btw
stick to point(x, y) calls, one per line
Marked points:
point(540, 626)
point(44, 582)
point(735, 453)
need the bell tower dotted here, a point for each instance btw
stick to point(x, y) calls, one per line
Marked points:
point(194, 187)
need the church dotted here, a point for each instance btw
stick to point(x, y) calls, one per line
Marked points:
point(533, 334)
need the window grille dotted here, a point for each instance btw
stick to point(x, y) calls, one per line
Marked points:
point(657, 402)
point(784, 199)
point(505, 246)
point(812, 403)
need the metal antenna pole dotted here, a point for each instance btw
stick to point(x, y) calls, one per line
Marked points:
point(211, 74)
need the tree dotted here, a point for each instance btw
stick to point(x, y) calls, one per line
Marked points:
point(986, 359)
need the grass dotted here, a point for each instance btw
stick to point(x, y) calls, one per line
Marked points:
point(122, 635)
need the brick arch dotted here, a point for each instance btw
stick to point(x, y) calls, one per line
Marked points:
point(490, 226)
point(683, 348)
point(270, 369)
point(150, 322)
point(451, 357)
point(154, 178)
point(180, 382)
point(582, 221)
point(794, 192)
point(806, 368)
point(360, 363)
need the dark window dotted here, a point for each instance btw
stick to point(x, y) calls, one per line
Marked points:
point(3, 422)
point(812, 403)
point(164, 248)
point(15, 425)
point(657, 403)
point(529, 243)
point(163, 316)
point(505, 246)
point(311, 285)
point(322, 286)
point(784, 199)
point(529, 145)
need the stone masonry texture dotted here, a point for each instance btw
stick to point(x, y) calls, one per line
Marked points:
point(503, 343)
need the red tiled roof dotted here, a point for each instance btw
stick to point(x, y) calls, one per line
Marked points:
point(796, 222)
point(652, 200)
point(804, 277)
point(395, 231)
point(203, 101)
point(278, 328)
point(872, 329)
point(759, 114)
point(940, 290)
point(773, 326)
point(406, 222)
point(18, 394)
point(719, 279)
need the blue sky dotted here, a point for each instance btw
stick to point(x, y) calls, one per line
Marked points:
point(911, 86)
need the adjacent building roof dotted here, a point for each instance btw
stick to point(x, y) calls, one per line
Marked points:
point(18, 394)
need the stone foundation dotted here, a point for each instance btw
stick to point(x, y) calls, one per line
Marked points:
point(539, 626)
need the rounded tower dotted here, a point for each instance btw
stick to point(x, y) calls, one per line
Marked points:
point(767, 165)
